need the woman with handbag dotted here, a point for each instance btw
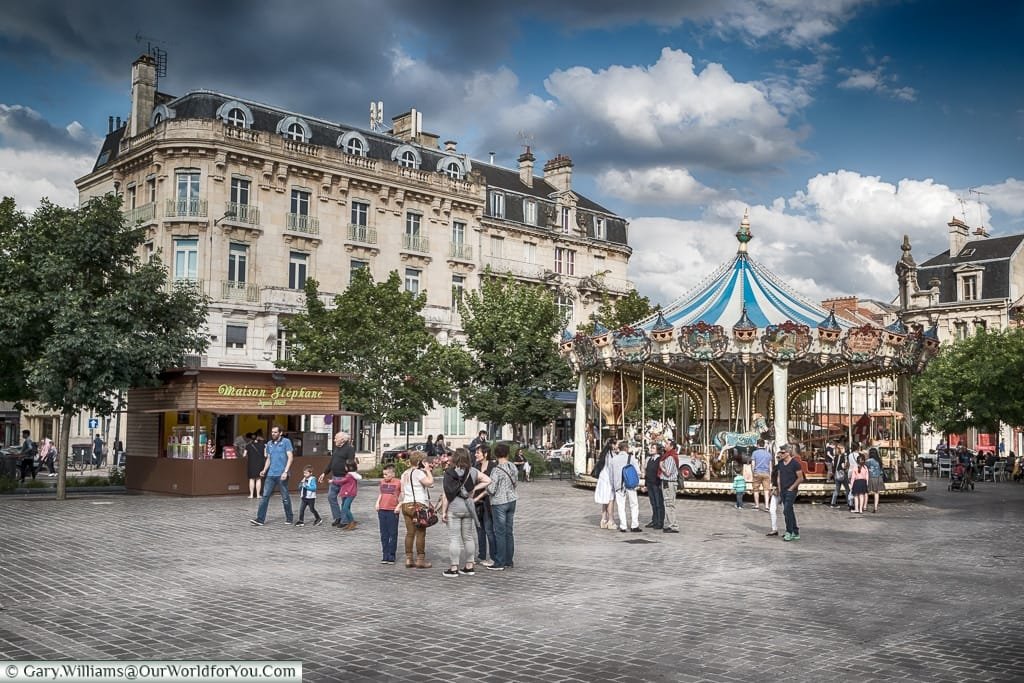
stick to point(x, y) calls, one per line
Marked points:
point(876, 479)
point(461, 482)
point(415, 501)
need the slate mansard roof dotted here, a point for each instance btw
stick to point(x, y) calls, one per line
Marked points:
point(203, 104)
point(992, 255)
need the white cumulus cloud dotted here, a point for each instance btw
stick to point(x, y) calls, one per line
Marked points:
point(659, 185)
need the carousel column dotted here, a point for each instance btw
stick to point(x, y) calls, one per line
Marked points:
point(780, 384)
point(579, 449)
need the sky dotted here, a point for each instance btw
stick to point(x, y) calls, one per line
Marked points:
point(840, 125)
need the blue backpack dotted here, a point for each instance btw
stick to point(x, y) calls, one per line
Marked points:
point(630, 476)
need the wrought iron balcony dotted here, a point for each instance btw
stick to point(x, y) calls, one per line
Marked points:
point(186, 208)
point(362, 233)
point(141, 214)
point(460, 250)
point(303, 223)
point(231, 290)
point(415, 243)
point(243, 213)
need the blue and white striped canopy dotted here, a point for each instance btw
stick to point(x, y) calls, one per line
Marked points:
point(740, 284)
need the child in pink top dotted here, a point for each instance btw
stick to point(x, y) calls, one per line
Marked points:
point(859, 482)
point(349, 486)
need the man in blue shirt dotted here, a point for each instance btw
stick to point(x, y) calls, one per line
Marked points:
point(761, 460)
point(279, 461)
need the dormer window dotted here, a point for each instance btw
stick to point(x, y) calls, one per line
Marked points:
point(966, 252)
point(161, 113)
point(970, 288)
point(453, 171)
point(294, 128)
point(453, 167)
point(234, 113)
point(599, 228)
point(497, 204)
point(353, 143)
point(406, 156)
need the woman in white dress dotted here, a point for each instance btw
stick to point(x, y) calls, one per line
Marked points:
point(603, 494)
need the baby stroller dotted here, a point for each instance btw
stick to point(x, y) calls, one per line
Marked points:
point(960, 478)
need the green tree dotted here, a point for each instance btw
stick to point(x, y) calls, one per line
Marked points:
point(618, 312)
point(973, 383)
point(511, 334)
point(393, 369)
point(83, 317)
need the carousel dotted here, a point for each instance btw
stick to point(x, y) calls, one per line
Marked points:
point(742, 357)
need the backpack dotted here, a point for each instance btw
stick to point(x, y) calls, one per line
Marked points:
point(630, 476)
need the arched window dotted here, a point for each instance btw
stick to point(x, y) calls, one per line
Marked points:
point(407, 156)
point(454, 167)
point(294, 128)
point(158, 118)
point(234, 113)
point(161, 113)
point(353, 143)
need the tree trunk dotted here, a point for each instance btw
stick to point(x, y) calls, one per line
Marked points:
point(377, 429)
point(63, 453)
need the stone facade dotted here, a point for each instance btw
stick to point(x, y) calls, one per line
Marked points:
point(245, 201)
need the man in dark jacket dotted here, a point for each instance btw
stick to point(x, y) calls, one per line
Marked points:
point(479, 440)
point(655, 496)
point(343, 459)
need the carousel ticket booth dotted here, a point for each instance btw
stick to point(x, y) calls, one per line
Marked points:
point(181, 434)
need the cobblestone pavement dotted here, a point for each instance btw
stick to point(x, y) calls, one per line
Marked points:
point(926, 590)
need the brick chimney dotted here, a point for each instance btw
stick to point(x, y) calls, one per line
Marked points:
point(143, 94)
point(526, 160)
point(558, 172)
point(958, 235)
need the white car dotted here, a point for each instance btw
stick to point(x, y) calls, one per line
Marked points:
point(564, 452)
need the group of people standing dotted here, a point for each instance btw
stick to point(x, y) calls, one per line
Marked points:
point(478, 501)
point(857, 476)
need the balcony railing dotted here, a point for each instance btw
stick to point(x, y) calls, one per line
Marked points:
point(436, 315)
point(186, 208)
point(460, 250)
point(514, 267)
point(140, 214)
point(231, 290)
point(303, 223)
point(197, 286)
point(415, 243)
point(243, 213)
point(362, 233)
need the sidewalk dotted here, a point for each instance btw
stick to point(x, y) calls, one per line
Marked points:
point(924, 590)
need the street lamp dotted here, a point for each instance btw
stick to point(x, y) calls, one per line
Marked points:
point(230, 213)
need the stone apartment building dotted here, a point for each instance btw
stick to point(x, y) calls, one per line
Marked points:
point(246, 201)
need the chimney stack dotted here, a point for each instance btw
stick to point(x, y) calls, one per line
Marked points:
point(526, 160)
point(449, 146)
point(558, 172)
point(957, 236)
point(143, 94)
point(110, 124)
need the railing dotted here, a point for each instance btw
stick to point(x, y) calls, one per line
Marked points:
point(415, 243)
point(141, 214)
point(302, 148)
point(362, 233)
point(437, 315)
point(231, 290)
point(513, 267)
point(239, 133)
point(303, 223)
point(414, 174)
point(360, 162)
point(243, 213)
point(197, 286)
point(194, 208)
point(460, 250)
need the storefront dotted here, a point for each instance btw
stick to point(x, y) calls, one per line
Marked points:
point(180, 435)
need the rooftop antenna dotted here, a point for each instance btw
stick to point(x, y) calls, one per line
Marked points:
point(963, 207)
point(525, 139)
point(158, 54)
point(979, 193)
point(377, 116)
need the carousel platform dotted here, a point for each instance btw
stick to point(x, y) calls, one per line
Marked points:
point(809, 488)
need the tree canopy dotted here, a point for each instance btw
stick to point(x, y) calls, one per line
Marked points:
point(511, 334)
point(616, 313)
point(83, 317)
point(973, 383)
point(394, 369)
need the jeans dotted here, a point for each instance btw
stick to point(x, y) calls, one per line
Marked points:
point(308, 503)
point(346, 510)
point(656, 498)
point(668, 494)
point(268, 490)
point(788, 498)
point(388, 521)
point(485, 532)
point(505, 545)
point(28, 465)
point(332, 499)
point(840, 485)
point(461, 540)
point(739, 499)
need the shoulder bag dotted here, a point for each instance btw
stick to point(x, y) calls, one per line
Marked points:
point(423, 515)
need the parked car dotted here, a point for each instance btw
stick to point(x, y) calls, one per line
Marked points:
point(690, 467)
point(564, 452)
point(390, 455)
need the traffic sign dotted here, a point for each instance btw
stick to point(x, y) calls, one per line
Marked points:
point(94, 422)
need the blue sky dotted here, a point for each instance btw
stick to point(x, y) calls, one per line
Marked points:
point(839, 124)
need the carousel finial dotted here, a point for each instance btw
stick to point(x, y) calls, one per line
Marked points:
point(743, 234)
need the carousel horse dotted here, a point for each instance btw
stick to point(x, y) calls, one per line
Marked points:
point(726, 440)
